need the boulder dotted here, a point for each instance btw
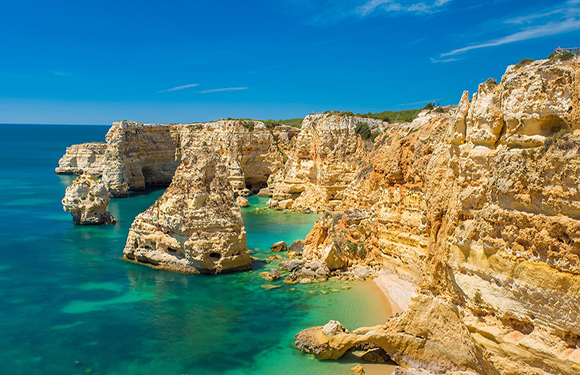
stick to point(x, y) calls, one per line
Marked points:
point(242, 202)
point(279, 246)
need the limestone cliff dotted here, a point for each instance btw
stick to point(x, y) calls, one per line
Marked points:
point(137, 155)
point(195, 226)
point(481, 208)
point(251, 151)
point(324, 160)
point(83, 158)
point(87, 199)
point(140, 155)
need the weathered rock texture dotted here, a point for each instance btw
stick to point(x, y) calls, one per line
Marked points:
point(140, 155)
point(87, 199)
point(83, 158)
point(482, 210)
point(324, 160)
point(250, 150)
point(195, 226)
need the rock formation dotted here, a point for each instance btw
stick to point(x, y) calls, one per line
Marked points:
point(140, 155)
point(323, 161)
point(87, 199)
point(481, 208)
point(195, 226)
point(83, 158)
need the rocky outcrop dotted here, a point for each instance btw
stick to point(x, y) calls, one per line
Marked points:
point(140, 155)
point(87, 199)
point(481, 208)
point(322, 163)
point(195, 226)
point(83, 158)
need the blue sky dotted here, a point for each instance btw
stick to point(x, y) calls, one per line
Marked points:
point(95, 62)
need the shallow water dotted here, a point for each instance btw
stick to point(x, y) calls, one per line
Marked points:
point(70, 305)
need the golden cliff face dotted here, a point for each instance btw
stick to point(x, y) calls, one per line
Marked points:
point(83, 158)
point(140, 155)
point(325, 158)
point(482, 209)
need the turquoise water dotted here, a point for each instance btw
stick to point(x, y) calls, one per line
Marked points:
point(70, 305)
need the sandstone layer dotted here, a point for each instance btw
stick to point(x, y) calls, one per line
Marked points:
point(83, 158)
point(481, 209)
point(87, 199)
point(195, 226)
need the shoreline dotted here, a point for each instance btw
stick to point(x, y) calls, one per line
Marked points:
point(396, 290)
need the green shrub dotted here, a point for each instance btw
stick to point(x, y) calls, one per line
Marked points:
point(429, 106)
point(365, 132)
point(248, 124)
point(524, 62)
point(294, 122)
point(406, 115)
point(566, 56)
point(477, 297)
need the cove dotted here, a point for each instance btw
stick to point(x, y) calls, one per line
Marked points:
point(71, 305)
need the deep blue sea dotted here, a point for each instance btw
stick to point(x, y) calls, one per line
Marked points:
point(69, 304)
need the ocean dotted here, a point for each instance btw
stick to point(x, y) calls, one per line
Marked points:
point(69, 304)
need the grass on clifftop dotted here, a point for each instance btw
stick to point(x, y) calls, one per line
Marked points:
point(295, 122)
point(406, 115)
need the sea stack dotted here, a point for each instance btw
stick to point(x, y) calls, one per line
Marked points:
point(87, 199)
point(195, 226)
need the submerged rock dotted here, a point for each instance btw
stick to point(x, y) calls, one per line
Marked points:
point(195, 226)
point(87, 199)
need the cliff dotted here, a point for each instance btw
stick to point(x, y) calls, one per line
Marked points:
point(87, 200)
point(481, 209)
point(139, 155)
point(83, 158)
point(324, 160)
point(195, 226)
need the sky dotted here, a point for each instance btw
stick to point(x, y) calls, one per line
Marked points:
point(95, 62)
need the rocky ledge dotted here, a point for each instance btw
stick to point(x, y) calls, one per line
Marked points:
point(195, 226)
point(87, 199)
point(83, 158)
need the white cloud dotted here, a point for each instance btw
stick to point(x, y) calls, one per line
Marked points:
point(551, 28)
point(401, 6)
point(549, 21)
point(177, 88)
point(223, 89)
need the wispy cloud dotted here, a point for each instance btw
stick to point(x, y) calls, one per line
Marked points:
point(417, 7)
point(177, 88)
point(223, 89)
point(551, 21)
point(60, 74)
point(552, 28)
point(437, 61)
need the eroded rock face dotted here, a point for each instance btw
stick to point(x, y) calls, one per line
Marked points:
point(324, 160)
point(482, 210)
point(83, 158)
point(195, 226)
point(87, 199)
point(140, 155)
